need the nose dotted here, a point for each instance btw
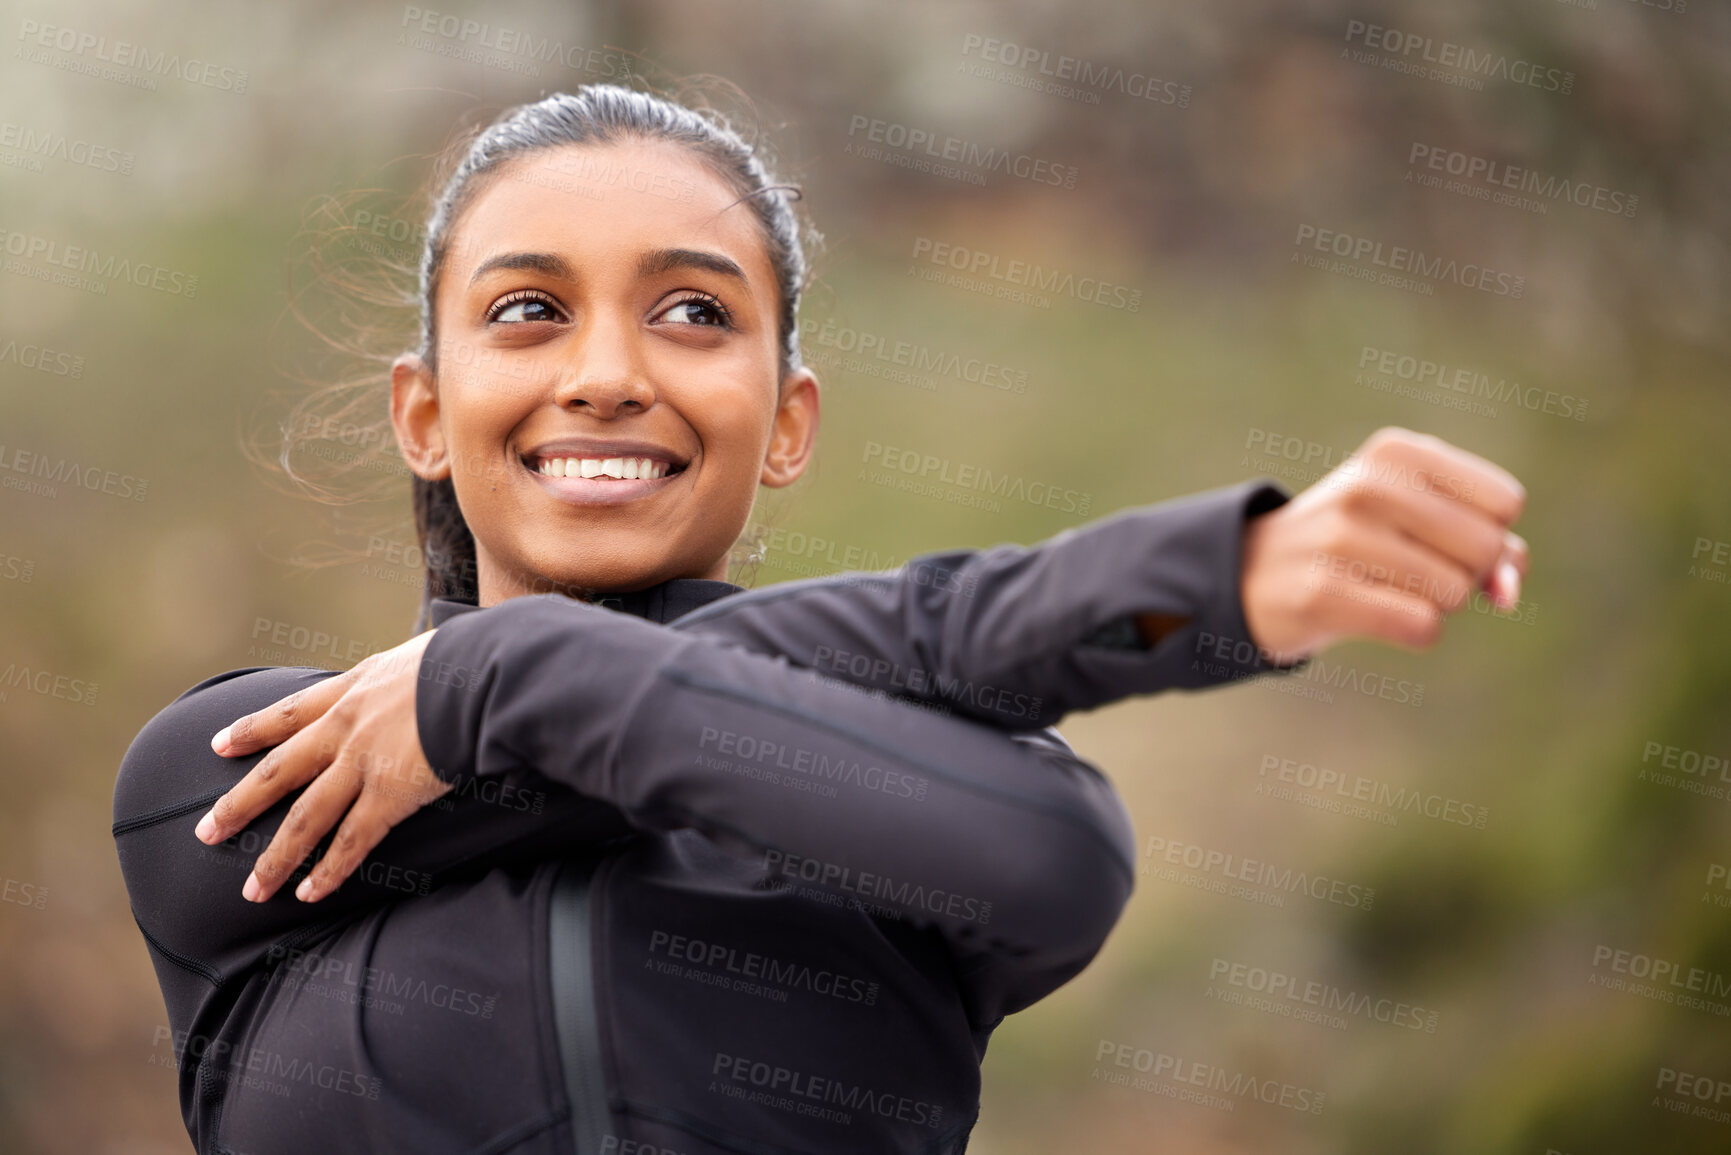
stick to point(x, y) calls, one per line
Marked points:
point(606, 374)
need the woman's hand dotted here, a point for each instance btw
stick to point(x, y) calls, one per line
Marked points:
point(354, 738)
point(1394, 539)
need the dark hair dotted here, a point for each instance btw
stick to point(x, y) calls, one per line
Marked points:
point(592, 114)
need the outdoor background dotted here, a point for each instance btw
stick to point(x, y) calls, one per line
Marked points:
point(1562, 974)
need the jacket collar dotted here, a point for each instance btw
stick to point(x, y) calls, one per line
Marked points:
point(658, 603)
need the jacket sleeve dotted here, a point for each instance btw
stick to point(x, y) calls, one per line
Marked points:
point(1018, 853)
point(1019, 636)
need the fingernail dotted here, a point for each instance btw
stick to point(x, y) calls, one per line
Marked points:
point(252, 889)
point(304, 891)
point(1509, 579)
point(221, 739)
point(206, 830)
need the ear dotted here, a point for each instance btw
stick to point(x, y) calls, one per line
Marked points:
point(794, 434)
point(415, 417)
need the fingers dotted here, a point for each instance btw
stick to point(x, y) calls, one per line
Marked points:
point(307, 821)
point(1384, 612)
point(1452, 501)
point(1381, 556)
point(286, 768)
point(279, 721)
point(1422, 462)
point(364, 828)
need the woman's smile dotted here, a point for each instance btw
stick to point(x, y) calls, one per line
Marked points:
point(586, 472)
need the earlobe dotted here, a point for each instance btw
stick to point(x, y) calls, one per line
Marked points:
point(415, 418)
point(794, 434)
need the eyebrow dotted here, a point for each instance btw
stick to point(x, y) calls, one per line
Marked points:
point(550, 264)
point(650, 264)
point(658, 261)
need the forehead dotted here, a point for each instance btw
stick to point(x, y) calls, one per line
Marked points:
point(595, 201)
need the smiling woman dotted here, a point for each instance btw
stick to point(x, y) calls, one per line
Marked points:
point(612, 334)
point(635, 865)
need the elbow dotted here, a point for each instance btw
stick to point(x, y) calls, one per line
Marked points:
point(1068, 881)
point(1085, 892)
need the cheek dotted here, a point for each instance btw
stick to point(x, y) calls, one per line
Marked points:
point(733, 419)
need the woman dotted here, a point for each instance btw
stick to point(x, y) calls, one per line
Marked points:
point(635, 866)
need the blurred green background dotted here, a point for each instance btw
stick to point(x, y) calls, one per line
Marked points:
point(1516, 951)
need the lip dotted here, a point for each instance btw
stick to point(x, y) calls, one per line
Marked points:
point(595, 490)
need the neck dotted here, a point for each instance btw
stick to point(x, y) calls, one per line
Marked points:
point(495, 586)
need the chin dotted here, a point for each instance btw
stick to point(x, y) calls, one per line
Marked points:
point(607, 577)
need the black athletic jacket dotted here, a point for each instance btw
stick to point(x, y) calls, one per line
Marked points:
point(722, 870)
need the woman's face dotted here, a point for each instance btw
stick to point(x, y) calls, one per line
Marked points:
point(601, 305)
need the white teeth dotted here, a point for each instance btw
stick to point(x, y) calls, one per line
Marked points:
point(623, 468)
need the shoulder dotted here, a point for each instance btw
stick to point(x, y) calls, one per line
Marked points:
point(170, 758)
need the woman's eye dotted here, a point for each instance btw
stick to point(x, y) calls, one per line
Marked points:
point(515, 310)
point(697, 311)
